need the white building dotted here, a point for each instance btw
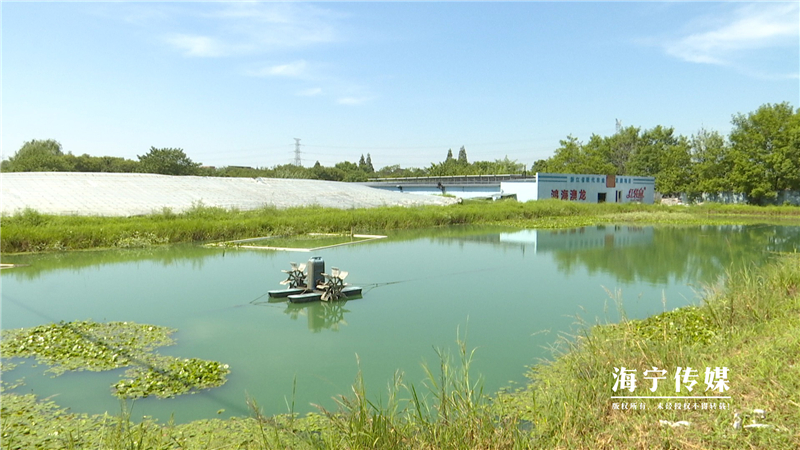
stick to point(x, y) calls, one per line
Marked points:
point(583, 188)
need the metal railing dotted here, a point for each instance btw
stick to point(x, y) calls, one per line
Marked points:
point(454, 179)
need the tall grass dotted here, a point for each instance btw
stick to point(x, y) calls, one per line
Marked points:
point(449, 410)
point(751, 326)
point(30, 231)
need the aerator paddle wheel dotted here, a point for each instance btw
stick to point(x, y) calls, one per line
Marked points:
point(309, 283)
point(333, 285)
point(296, 277)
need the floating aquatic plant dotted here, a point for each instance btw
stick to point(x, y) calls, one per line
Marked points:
point(168, 377)
point(691, 324)
point(87, 345)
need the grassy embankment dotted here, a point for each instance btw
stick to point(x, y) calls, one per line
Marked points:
point(751, 325)
point(31, 231)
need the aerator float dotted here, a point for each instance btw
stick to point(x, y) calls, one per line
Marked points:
point(309, 282)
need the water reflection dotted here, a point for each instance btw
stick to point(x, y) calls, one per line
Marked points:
point(38, 265)
point(653, 254)
point(320, 315)
point(578, 239)
point(626, 251)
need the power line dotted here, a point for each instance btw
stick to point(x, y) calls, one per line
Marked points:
point(542, 140)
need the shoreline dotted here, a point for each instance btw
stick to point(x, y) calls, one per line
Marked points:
point(31, 231)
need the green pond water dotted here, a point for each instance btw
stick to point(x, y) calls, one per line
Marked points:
point(511, 292)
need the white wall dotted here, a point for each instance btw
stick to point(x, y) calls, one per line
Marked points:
point(582, 188)
point(525, 190)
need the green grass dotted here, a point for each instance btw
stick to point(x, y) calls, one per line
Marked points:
point(751, 325)
point(30, 231)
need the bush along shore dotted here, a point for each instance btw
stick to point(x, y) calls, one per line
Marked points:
point(747, 332)
point(31, 231)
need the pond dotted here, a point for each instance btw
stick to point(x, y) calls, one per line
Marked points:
point(510, 292)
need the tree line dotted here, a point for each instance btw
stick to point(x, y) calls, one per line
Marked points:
point(759, 158)
point(48, 156)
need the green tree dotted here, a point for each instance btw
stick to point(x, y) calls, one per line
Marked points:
point(711, 163)
point(291, 171)
point(508, 166)
point(449, 167)
point(620, 147)
point(352, 171)
point(38, 156)
point(84, 163)
point(497, 167)
point(665, 156)
point(369, 168)
point(397, 171)
point(568, 157)
point(347, 166)
point(167, 161)
point(540, 165)
point(462, 156)
point(574, 157)
point(88, 163)
point(357, 176)
point(449, 155)
point(676, 173)
point(391, 171)
point(765, 148)
point(237, 171)
point(597, 156)
point(328, 173)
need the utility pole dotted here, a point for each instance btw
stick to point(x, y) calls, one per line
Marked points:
point(297, 161)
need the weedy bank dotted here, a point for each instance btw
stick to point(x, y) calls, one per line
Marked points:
point(751, 326)
point(30, 231)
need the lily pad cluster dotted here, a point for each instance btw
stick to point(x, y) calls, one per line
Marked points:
point(689, 324)
point(87, 345)
point(171, 377)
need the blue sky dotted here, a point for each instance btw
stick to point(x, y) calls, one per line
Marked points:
point(235, 83)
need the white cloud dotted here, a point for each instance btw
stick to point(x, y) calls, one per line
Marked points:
point(233, 29)
point(311, 92)
point(752, 27)
point(202, 46)
point(296, 69)
point(250, 30)
point(352, 100)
